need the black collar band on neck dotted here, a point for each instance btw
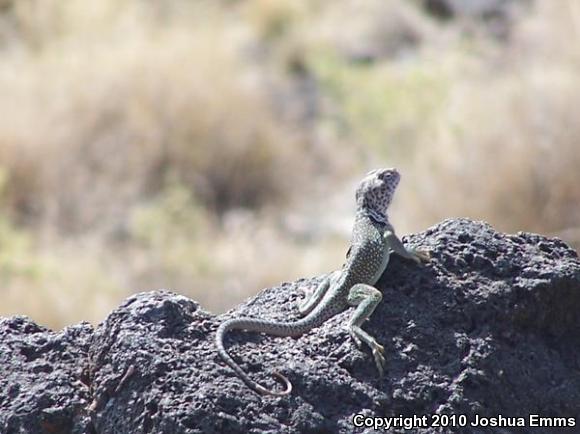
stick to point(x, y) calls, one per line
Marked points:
point(375, 216)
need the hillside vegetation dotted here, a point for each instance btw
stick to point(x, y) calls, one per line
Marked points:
point(212, 148)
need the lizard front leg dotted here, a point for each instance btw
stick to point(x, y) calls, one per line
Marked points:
point(393, 243)
point(365, 298)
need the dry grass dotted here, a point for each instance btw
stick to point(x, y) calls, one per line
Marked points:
point(507, 145)
point(147, 145)
point(121, 113)
point(107, 112)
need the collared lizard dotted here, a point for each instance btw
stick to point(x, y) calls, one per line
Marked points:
point(373, 240)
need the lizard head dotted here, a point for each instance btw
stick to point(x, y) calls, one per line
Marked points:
point(375, 192)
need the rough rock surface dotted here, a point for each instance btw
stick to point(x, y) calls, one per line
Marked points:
point(44, 386)
point(490, 326)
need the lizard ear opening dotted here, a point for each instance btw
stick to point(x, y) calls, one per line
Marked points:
point(358, 196)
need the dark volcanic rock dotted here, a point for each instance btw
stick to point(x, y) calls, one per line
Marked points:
point(43, 378)
point(490, 326)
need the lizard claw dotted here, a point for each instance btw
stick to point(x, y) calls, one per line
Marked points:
point(379, 359)
point(378, 354)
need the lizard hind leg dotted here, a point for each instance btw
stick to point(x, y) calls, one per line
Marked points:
point(313, 297)
point(366, 298)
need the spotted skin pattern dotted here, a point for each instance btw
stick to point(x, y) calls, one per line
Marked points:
point(373, 240)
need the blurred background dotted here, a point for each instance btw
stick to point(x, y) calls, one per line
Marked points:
point(213, 147)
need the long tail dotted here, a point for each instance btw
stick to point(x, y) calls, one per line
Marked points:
point(252, 325)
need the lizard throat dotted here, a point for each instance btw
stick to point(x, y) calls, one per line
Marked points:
point(375, 215)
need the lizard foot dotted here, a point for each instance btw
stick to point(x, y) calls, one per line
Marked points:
point(421, 255)
point(306, 291)
point(304, 304)
point(377, 349)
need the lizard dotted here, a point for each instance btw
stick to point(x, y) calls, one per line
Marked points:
point(373, 240)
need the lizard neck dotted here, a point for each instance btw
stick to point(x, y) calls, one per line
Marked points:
point(372, 216)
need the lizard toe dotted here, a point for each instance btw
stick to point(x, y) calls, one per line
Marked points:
point(422, 255)
point(356, 340)
point(380, 362)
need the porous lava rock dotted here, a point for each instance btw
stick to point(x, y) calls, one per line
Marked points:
point(490, 326)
